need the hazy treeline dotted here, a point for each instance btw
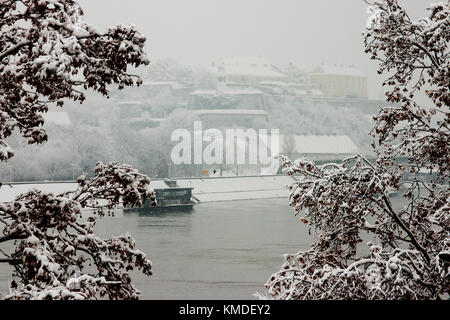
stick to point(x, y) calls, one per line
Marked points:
point(74, 150)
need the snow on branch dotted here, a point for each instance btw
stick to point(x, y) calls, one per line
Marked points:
point(56, 243)
point(49, 54)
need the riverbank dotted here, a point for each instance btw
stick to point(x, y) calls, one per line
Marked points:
point(211, 189)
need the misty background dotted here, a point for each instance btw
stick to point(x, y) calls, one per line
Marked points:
point(197, 32)
point(185, 42)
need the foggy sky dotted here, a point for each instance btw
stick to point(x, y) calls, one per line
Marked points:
point(197, 32)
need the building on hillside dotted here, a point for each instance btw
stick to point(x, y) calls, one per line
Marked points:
point(159, 98)
point(340, 81)
point(247, 71)
point(317, 148)
point(231, 118)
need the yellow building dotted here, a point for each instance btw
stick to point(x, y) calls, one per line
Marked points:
point(340, 81)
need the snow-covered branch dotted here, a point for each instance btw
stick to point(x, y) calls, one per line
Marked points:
point(56, 244)
point(49, 54)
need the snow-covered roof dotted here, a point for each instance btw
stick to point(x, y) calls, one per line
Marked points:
point(312, 144)
point(249, 67)
point(57, 117)
point(338, 70)
point(231, 111)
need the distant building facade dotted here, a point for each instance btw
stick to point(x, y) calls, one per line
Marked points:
point(229, 107)
point(340, 81)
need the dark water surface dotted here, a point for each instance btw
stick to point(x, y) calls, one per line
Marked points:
point(220, 250)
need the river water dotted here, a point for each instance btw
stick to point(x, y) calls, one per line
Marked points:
point(220, 250)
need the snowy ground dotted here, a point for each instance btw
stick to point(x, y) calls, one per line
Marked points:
point(206, 190)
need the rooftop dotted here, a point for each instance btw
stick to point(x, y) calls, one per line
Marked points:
point(250, 67)
point(226, 92)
